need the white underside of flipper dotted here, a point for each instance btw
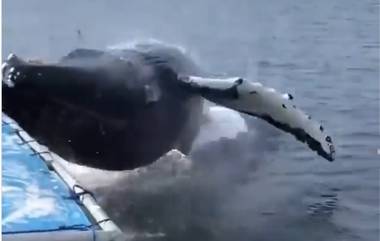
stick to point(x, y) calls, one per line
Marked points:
point(254, 99)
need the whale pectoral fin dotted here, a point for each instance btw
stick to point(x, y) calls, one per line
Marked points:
point(265, 103)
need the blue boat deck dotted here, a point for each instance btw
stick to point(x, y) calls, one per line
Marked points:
point(35, 197)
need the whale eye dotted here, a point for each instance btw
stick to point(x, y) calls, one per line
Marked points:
point(328, 139)
point(321, 128)
point(284, 106)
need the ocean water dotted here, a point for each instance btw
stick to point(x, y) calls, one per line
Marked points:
point(261, 184)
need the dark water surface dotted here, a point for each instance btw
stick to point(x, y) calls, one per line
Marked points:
point(263, 185)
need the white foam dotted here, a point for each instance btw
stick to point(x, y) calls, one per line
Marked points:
point(222, 123)
point(138, 44)
point(8, 81)
point(4, 65)
point(10, 56)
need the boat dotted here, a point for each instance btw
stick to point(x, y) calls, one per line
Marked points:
point(41, 200)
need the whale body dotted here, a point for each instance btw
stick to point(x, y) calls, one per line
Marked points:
point(118, 110)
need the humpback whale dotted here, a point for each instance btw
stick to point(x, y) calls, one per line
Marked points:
point(122, 109)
